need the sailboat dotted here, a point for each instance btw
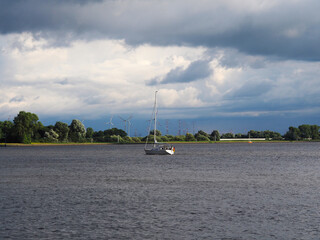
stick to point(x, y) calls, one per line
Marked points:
point(157, 148)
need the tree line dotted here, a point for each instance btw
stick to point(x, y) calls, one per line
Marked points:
point(26, 128)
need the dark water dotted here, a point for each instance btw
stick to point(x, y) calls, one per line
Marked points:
point(208, 191)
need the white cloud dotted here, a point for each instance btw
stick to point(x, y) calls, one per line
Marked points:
point(187, 97)
point(99, 77)
point(87, 78)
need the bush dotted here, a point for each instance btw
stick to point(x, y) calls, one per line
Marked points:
point(170, 137)
point(202, 138)
point(164, 139)
point(127, 139)
point(179, 138)
point(190, 137)
point(51, 136)
point(136, 139)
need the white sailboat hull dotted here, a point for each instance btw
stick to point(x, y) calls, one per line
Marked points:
point(160, 150)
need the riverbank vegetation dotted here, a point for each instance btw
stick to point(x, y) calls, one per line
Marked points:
point(26, 128)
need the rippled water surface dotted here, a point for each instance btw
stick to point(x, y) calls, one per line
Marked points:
point(205, 191)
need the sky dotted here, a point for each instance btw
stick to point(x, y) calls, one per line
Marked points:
point(231, 66)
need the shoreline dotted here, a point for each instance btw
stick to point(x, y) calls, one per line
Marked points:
point(48, 144)
point(108, 143)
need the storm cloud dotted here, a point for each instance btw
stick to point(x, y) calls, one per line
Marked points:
point(196, 70)
point(287, 29)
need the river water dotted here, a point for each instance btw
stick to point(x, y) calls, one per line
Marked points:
point(205, 191)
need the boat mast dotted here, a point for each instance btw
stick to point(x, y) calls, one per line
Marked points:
point(155, 118)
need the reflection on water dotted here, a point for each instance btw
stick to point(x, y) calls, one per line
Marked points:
point(204, 191)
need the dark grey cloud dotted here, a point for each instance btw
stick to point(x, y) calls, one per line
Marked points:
point(286, 29)
point(252, 90)
point(298, 106)
point(234, 59)
point(36, 15)
point(196, 70)
point(273, 96)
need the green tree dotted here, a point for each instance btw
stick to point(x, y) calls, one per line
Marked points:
point(77, 131)
point(170, 137)
point(157, 131)
point(179, 138)
point(202, 138)
point(136, 139)
point(51, 136)
point(215, 135)
point(7, 131)
point(255, 134)
point(114, 131)
point(164, 139)
point(200, 132)
point(267, 134)
point(39, 131)
point(275, 136)
point(305, 131)
point(227, 135)
point(190, 137)
point(2, 134)
point(292, 134)
point(62, 129)
point(89, 133)
point(238, 135)
point(127, 139)
point(24, 126)
point(151, 137)
point(99, 136)
point(315, 132)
